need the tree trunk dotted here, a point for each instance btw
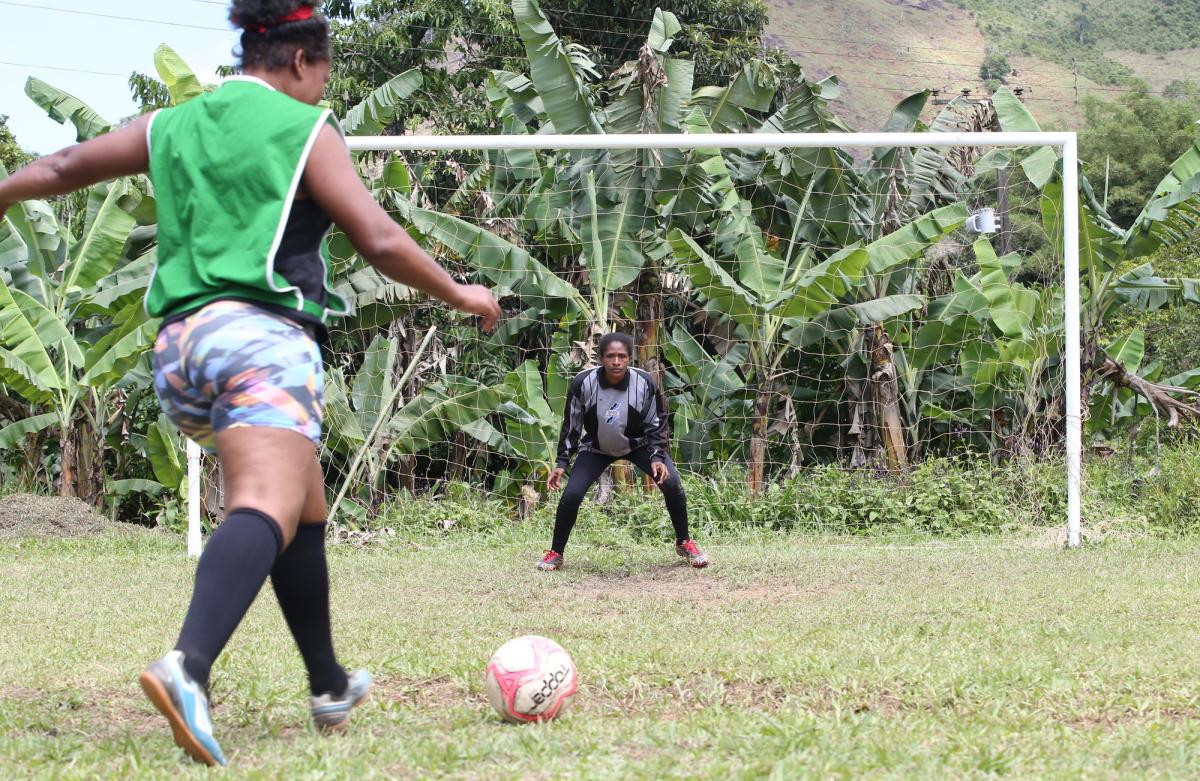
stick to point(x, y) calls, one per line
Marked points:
point(758, 435)
point(81, 472)
point(213, 488)
point(460, 451)
point(862, 425)
point(646, 333)
point(406, 470)
point(67, 463)
point(604, 487)
point(885, 390)
point(406, 465)
point(27, 477)
point(527, 501)
point(622, 475)
point(91, 469)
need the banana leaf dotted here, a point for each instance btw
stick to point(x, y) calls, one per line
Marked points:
point(62, 106)
point(554, 72)
point(177, 75)
point(382, 106)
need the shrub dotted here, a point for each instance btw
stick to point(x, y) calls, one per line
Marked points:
point(942, 498)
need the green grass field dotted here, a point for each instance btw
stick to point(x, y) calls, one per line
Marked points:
point(791, 657)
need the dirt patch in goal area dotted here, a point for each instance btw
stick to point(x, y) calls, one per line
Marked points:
point(53, 517)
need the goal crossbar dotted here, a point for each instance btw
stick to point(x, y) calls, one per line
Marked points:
point(702, 140)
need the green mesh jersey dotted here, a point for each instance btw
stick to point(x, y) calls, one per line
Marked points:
point(226, 166)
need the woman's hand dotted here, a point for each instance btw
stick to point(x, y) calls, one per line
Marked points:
point(478, 300)
point(555, 479)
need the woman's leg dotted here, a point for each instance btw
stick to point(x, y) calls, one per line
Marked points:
point(255, 380)
point(260, 467)
point(587, 469)
point(672, 491)
point(300, 578)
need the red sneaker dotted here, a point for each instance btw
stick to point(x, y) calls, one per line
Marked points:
point(551, 561)
point(689, 550)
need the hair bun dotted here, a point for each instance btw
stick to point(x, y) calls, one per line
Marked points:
point(253, 14)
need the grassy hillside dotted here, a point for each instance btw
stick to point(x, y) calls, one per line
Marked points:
point(883, 50)
point(1083, 33)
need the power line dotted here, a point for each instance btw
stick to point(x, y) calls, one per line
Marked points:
point(114, 16)
point(717, 28)
point(60, 68)
point(581, 29)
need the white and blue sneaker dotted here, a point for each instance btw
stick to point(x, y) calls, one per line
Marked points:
point(185, 704)
point(330, 713)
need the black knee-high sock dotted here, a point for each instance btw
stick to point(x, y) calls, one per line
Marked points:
point(232, 570)
point(584, 475)
point(301, 581)
point(672, 490)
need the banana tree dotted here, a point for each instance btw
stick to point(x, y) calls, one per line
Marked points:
point(66, 341)
point(525, 433)
point(610, 194)
point(987, 360)
point(707, 394)
point(371, 424)
point(162, 446)
point(1172, 214)
point(87, 370)
point(768, 294)
point(1106, 254)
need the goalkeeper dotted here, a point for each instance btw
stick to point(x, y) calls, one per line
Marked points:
point(615, 412)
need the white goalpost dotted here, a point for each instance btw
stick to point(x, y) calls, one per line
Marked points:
point(1063, 142)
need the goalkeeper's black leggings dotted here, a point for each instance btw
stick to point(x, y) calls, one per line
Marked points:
point(586, 472)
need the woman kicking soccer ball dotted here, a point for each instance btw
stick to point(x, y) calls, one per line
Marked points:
point(248, 180)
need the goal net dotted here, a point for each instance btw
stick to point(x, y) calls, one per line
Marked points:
point(843, 325)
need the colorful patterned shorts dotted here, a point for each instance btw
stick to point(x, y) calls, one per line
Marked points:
point(232, 364)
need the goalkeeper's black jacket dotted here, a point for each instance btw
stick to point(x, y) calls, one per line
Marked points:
point(613, 419)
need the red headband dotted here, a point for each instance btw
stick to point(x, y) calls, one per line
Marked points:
point(299, 15)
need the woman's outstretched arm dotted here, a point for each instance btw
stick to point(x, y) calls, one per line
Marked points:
point(120, 153)
point(331, 180)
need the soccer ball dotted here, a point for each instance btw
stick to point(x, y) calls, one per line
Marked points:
point(530, 678)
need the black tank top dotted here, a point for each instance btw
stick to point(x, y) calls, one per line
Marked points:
point(299, 260)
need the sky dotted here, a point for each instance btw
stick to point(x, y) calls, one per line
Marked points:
point(45, 33)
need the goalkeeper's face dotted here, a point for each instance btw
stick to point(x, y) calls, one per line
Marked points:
point(616, 362)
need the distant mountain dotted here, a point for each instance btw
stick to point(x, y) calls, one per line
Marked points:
point(1057, 51)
